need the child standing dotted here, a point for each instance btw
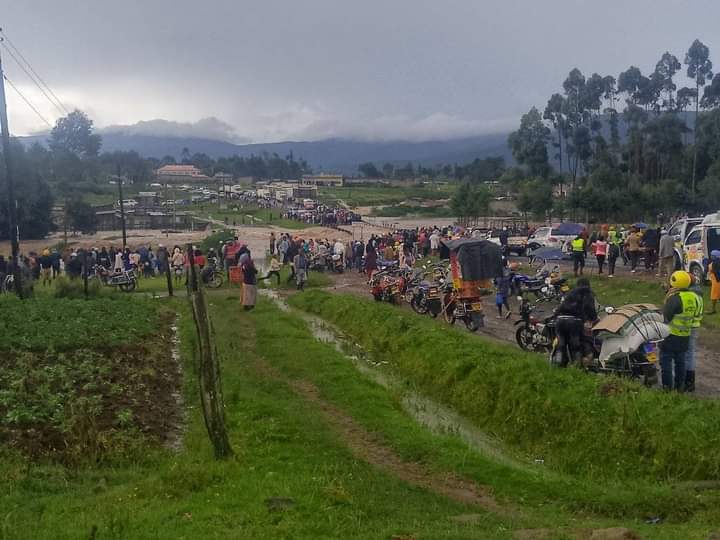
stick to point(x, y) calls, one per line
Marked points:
point(274, 270)
point(502, 292)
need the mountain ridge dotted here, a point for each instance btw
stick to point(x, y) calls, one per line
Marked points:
point(328, 155)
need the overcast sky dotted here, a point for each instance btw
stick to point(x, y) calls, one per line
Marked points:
point(275, 70)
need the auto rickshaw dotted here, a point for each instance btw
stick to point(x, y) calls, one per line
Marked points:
point(473, 265)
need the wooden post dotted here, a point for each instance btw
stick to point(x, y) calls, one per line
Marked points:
point(86, 272)
point(168, 273)
point(208, 366)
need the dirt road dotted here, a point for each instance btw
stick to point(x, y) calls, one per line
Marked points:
point(708, 361)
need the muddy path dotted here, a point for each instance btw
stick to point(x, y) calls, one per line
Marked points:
point(502, 329)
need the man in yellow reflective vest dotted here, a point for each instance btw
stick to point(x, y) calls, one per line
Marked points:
point(578, 254)
point(682, 312)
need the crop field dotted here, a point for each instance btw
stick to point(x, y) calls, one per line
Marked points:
point(355, 196)
point(95, 443)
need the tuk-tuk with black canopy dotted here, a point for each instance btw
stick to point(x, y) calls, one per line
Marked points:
point(473, 264)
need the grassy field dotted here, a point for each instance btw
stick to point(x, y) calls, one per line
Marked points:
point(588, 426)
point(241, 216)
point(383, 195)
point(322, 451)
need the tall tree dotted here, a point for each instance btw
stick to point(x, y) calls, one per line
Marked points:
point(699, 68)
point(74, 134)
point(529, 144)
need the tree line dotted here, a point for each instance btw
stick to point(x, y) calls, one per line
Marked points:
point(478, 170)
point(629, 147)
point(71, 166)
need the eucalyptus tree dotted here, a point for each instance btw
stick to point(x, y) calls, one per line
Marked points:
point(699, 69)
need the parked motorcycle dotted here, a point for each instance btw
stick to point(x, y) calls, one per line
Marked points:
point(211, 276)
point(533, 334)
point(387, 286)
point(125, 280)
point(624, 343)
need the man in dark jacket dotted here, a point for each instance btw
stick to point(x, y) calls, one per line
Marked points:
point(576, 309)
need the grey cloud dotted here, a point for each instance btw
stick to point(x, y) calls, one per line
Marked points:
point(376, 69)
point(206, 128)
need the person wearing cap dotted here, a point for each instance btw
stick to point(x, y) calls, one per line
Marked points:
point(46, 262)
point(682, 312)
point(714, 275)
point(74, 266)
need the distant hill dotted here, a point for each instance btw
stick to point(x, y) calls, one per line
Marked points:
point(331, 155)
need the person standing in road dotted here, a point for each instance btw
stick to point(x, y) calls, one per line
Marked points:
point(272, 244)
point(666, 256)
point(578, 254)
point(632, 245)
point(600, 247)
point(695, 287)
point(300, 265)
point(682, 311)
point(714, 275)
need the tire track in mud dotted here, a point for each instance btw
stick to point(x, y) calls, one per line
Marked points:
point(370, 448)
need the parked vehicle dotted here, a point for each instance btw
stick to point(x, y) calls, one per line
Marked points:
point(699, 243)
point(426, 296)
point(473, 265)
point(125, 280)
point(555, 236)
point(211, 276)
point(680, 231)
point(387, 286)
point(624, 343)
point(533, 334)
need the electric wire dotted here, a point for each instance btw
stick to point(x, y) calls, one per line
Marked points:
point(31, 77)
point(5, 38)
point(26, 100)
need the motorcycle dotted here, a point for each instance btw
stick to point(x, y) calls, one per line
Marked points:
point(426, 297)
point(125, 280)
point(211, 276)
point(336, 264)
point(387, 287)
point(532, 334)
point(624, 343)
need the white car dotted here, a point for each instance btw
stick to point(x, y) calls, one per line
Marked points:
point(548, 237)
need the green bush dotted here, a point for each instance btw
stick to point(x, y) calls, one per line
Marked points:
point(75, 288)
point(594, 426)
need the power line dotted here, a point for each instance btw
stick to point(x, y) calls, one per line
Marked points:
point(32, 78)
point(26, 100)
point(5, 37)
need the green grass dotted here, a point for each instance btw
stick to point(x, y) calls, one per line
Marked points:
point(62, 324)
point(260, 216)
point(413, 210)
point(565, 417)
point(284, 448)
point(383, 195)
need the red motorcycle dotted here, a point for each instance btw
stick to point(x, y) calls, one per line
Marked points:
point(386, 286)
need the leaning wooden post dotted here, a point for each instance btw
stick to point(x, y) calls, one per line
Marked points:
point(208, 366)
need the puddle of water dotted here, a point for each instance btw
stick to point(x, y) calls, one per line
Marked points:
point(176, 434)
point(425, 411)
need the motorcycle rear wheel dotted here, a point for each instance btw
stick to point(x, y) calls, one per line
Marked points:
point(524, 337)
point(418, 307)
point(473, 322)
point(127, 287)
point(216, 281)
point(448, 313)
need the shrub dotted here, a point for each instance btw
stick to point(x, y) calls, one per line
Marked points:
point(69, 288)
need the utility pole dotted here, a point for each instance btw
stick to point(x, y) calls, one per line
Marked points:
point(12, 203)
point(122, 207)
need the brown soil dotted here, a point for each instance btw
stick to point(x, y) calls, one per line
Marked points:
point(144, 379)
point(370, 448)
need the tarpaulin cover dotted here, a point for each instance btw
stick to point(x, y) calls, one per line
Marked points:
point(478, 259)
point(630, 317)
point(549, 254)
point(567, 228)
point(640, 225)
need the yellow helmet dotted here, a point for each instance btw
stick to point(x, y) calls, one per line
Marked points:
point(680, 280)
